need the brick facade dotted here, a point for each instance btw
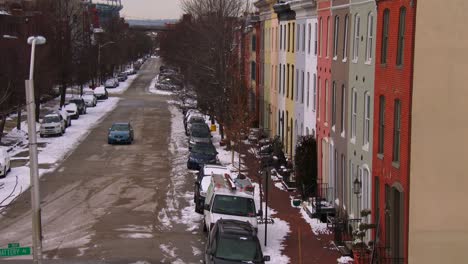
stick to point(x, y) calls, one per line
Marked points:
point(394, 82)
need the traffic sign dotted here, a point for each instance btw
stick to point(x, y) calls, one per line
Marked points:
point(14, 250)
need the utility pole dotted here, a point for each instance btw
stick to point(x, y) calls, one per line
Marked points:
point(33, 157)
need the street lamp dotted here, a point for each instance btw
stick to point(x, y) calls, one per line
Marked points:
point(33, 160)
point(99, 58)
point(357, 186)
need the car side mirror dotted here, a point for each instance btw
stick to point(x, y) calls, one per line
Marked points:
point(259, 213)
point(266, 258)
point(207, 207)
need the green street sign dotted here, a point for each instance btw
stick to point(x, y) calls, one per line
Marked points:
point(13, 245)
point(15, 251)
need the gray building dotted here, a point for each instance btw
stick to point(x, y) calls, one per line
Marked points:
point(360, 103)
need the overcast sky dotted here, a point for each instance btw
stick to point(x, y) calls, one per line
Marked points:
point(152, 9)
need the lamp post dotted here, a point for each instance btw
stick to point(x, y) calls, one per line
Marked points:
point(99, 58)
point(33, 160)
point(357, 188)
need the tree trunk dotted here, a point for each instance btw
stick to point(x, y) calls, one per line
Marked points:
point(2, 125)
point(221, 131)
point(18, 119)
point(63, 91)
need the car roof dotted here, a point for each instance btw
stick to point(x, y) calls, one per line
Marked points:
point(236, 227)
point(121, 123)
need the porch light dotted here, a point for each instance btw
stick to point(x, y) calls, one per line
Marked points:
point(357, 186)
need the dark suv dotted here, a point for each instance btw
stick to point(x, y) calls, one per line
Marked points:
point(233, 241)
point(80, 103)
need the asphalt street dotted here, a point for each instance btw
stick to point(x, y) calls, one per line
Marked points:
point(116, 203)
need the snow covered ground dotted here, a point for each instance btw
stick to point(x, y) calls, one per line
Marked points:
point(52, 150)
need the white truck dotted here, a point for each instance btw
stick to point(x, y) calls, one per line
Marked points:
point(229, 198)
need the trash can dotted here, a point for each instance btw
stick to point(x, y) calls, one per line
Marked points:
point(213, 128)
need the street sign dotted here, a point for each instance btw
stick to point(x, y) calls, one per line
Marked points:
point(14, 249)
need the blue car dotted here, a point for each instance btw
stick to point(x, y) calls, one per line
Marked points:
point(120, 133)
point(200, 154)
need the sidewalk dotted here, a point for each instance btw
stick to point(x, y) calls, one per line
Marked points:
point(302, 245)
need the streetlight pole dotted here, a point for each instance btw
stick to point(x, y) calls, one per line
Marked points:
point(33, 160)
point(99, 58)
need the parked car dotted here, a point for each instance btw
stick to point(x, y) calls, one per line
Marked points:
point(130, 71)
point(101, 93)
point(199, 133)
point(120, 133)
point(65, 116)
point(90, 100)
point(72, 110)
point(229, 199)
point(80, 103)
point(233, 241)
point(52, 124)
point(189, 113)
point(122, 77)
point(192, 120)
point(5, 165)
point(111, 83)
point(202, 154)
point(203, 182)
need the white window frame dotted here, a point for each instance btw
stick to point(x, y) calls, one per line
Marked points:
point(343, 110)
point(309, 43)
point(333, 107)
point(316, 39)
point(314, 93)
point(302, 86)
point(335, 37)
point(353, 114)
point(345, 45)
point(370, 37)
point(357, 25)
point(308, 89)
point(367, 124)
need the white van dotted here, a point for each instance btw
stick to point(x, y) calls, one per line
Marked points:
point(229, 198)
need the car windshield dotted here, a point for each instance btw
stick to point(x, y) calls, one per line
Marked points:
point(119, 127)
point(51, 119)
point(237, 248)
point(234, 205)
point(201, 133)
point(204, 149)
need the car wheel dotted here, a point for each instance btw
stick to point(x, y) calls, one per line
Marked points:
point(109, 142)
point(41, 135)
point(61, 133)
point(4, 173)
point(9, 167)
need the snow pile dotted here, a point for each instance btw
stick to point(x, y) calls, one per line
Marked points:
point(55, 150)
point(317, 226)
point(123, 86)
point(345, 260)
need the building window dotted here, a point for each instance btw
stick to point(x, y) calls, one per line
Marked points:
point(334, 104)
point(345, 44)
point(321, 37)
point(303, 37)
point(289, 36)
point(303, 86)
point(279, 78)
point(314, 93)
point(367, 109)
point(381, 124)
point(254, 42)
point(284, 79)
point(370, 37)
point(328, 37)
point(281, 38)
point(252, 70)
point(335, 37)
point(343, 109)
point(366, 189)
point(396, 131)
point(298, 40)
point(293, 38)
point(287, 81)
point(401, 36)
point(316, 40)
point(327, 108)
point(386, 23)
point(292, 82)
point(357, 22)
point(308, 89)
point(318, 97)
point(297, 84)
point(354, 114)
point(309, 39)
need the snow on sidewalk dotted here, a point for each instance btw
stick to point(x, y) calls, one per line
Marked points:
point(56, 149)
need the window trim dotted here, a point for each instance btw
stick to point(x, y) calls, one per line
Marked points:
point(335, 37)
point(333, 122)
point(314, 92)
point(401, 37)
point(345, 44)
point(370, 37)
point(385, 31)
point(356, 35)
point(353, 114)
point(366, 120)
point(381, 139)
point(343, 110)
point(396, 157)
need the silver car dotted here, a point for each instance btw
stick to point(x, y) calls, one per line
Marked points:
point(52, 124)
